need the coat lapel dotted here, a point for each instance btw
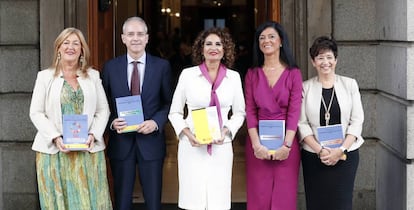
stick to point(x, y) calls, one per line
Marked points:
point(122, 74)
point(148, 75)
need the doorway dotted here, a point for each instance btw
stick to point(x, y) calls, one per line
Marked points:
point(173, 26)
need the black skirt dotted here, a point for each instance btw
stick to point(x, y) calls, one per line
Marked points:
point(329, 187)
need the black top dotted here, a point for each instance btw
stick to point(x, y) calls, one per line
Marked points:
point(335, 110)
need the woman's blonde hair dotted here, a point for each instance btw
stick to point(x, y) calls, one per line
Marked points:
point(84, 56)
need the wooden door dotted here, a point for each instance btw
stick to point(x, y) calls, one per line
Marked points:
point(104, 31)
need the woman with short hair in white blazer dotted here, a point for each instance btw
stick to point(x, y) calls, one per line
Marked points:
point(329, 99)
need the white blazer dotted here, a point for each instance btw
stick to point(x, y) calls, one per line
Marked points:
point(194, 91)
point(46, 114)
point(349, 99)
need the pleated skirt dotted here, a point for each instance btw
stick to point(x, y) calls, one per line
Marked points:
point(76, 180)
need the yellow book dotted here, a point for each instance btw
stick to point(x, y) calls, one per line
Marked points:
point(206, 124)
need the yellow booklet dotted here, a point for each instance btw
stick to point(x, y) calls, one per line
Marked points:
point(206, 124)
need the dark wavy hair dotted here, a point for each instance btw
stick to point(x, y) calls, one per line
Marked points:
point(321, 44)
point(286, 55)
point(226, 40)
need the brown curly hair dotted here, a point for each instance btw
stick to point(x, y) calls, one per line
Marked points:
point(227, 41)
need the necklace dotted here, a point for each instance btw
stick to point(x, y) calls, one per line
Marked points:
point(327, 109)
point(271, 68)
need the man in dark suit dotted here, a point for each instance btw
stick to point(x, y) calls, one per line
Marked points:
point(146, 147)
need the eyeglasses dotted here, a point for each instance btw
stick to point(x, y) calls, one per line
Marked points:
point(138, 34)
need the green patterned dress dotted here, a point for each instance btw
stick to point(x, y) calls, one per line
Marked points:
point(74, 180)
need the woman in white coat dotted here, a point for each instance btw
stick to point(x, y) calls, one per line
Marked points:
point(204, 171)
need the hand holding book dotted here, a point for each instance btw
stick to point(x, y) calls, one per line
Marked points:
point(91, 141)
point(58, 141)
point(130, 114)
point(282, 153)
point(191, 137)
point(119, 124)
point(332, 156)
point(75, 132)
point(224, 132)
point(272, 134)
point(261, 152)
point(206, 125)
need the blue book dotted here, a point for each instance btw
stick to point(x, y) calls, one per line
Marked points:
point(130, 108)
point(75, 132)
point(272, 134)
point(330, 136)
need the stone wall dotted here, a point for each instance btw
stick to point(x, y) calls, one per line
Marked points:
point(19, 63)
point(376, 48)
point(395, 56)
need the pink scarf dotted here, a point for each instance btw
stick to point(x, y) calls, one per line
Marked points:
point(214, 101)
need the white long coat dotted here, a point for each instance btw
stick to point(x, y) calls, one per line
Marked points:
point(204, 180)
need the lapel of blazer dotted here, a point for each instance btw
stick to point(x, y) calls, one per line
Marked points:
point(340, 91)
point(121, 72)
point(147, 81)
point(54, 91)
point(343, 99)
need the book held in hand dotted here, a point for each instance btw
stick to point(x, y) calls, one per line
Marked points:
point(130, 108)
point(75, 132)
point(330, 136)
point(206, 124)
point(272, 134)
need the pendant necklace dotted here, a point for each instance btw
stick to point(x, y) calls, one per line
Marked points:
point(327, 109)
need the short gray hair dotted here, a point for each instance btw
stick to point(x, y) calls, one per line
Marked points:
point(135, 18)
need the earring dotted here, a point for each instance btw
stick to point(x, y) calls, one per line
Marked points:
point(280, 45)
point(58, 56)
point(81, 60)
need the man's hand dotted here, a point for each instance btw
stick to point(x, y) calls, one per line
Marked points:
point(147, 127)
point(118, 124)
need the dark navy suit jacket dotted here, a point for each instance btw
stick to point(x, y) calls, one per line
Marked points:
point(156, 95)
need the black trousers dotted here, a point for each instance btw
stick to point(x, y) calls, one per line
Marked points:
point(329, 187)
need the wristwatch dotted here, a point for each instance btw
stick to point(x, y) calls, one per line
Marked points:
point(288, 145)
point(344, 151)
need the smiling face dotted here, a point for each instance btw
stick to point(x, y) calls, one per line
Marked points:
point(70, 49)
point(325, 63)
point(135, 38)
point(269, 41)
point(213, 48)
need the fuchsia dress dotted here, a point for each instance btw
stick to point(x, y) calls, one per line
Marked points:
point(272, 184)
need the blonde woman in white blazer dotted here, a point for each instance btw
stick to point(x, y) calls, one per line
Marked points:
point(329, 99)
point(70, 179)
point(46, 114)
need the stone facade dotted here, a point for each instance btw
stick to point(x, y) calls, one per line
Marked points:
point(376, 48)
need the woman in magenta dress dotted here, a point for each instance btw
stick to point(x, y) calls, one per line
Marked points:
point(273, 91)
